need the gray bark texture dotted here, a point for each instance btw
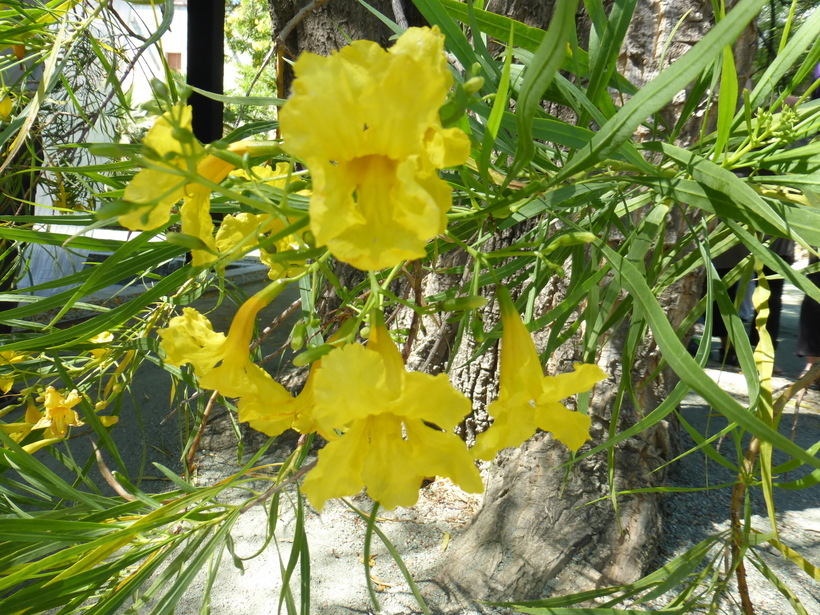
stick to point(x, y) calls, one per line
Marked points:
point(328, 26)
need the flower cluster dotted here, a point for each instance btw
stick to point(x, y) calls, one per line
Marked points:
point(373, 142)
point(388, 428)
point(178, 168)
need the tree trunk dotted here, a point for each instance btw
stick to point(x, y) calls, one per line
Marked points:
point(328, 26)
point(537, 533)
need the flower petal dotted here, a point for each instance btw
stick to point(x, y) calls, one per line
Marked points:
point(349, 386)
point(190, 338)
point(583, 378)
point(391, 472)
point(338, 472)
point(269, 409)
point(197, 221)
point(571, 428)
point(443, 454)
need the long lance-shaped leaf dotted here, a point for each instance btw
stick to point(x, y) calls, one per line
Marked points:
point(604, 62)
point(526, 37)
point(685, 366)
point(727, 101)
point(549, 56)
point(67, 337)
point(803, 221)
point(657, 94)
point(496, 115)
point(786, 60)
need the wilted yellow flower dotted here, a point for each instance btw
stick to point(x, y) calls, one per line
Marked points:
point(59, 414)
point(527, 399)
point(388, 444)
point(366, 122)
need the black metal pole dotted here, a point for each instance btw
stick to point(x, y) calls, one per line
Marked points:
point(206, 60)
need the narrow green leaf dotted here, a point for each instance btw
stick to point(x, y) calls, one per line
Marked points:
point(727, 101)
point(657, 94)
point(685, 366)
point(539, 74)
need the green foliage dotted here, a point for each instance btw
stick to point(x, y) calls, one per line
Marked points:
point(249, 39)
point(588, 200)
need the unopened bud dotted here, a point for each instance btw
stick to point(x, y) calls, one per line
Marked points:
point(473, 85)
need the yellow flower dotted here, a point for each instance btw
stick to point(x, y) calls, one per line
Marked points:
point(191, 338)
point(19, 430)
point(105, 337)
point(159, 189)
point(366, 122)
point(249, 228)
point(156, 190)
point(527, 399)
point(59, 414)
point(237, 375)
point(223, 364)
point(9, 357)
point(389, 445)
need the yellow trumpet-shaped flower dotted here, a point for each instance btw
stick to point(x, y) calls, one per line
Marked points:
point(366, 122)
point(528, 400)
point(237, 375)
point(223, 364)
point(389, 444)
point(190, 338)
point(59, 413)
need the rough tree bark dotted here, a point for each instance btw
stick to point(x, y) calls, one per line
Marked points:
point(327, 27)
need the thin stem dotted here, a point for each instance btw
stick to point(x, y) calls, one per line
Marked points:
point(368, 536)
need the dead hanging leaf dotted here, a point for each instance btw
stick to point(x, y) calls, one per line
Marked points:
point(445, 541)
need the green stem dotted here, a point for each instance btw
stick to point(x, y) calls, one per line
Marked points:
point(368, 536)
